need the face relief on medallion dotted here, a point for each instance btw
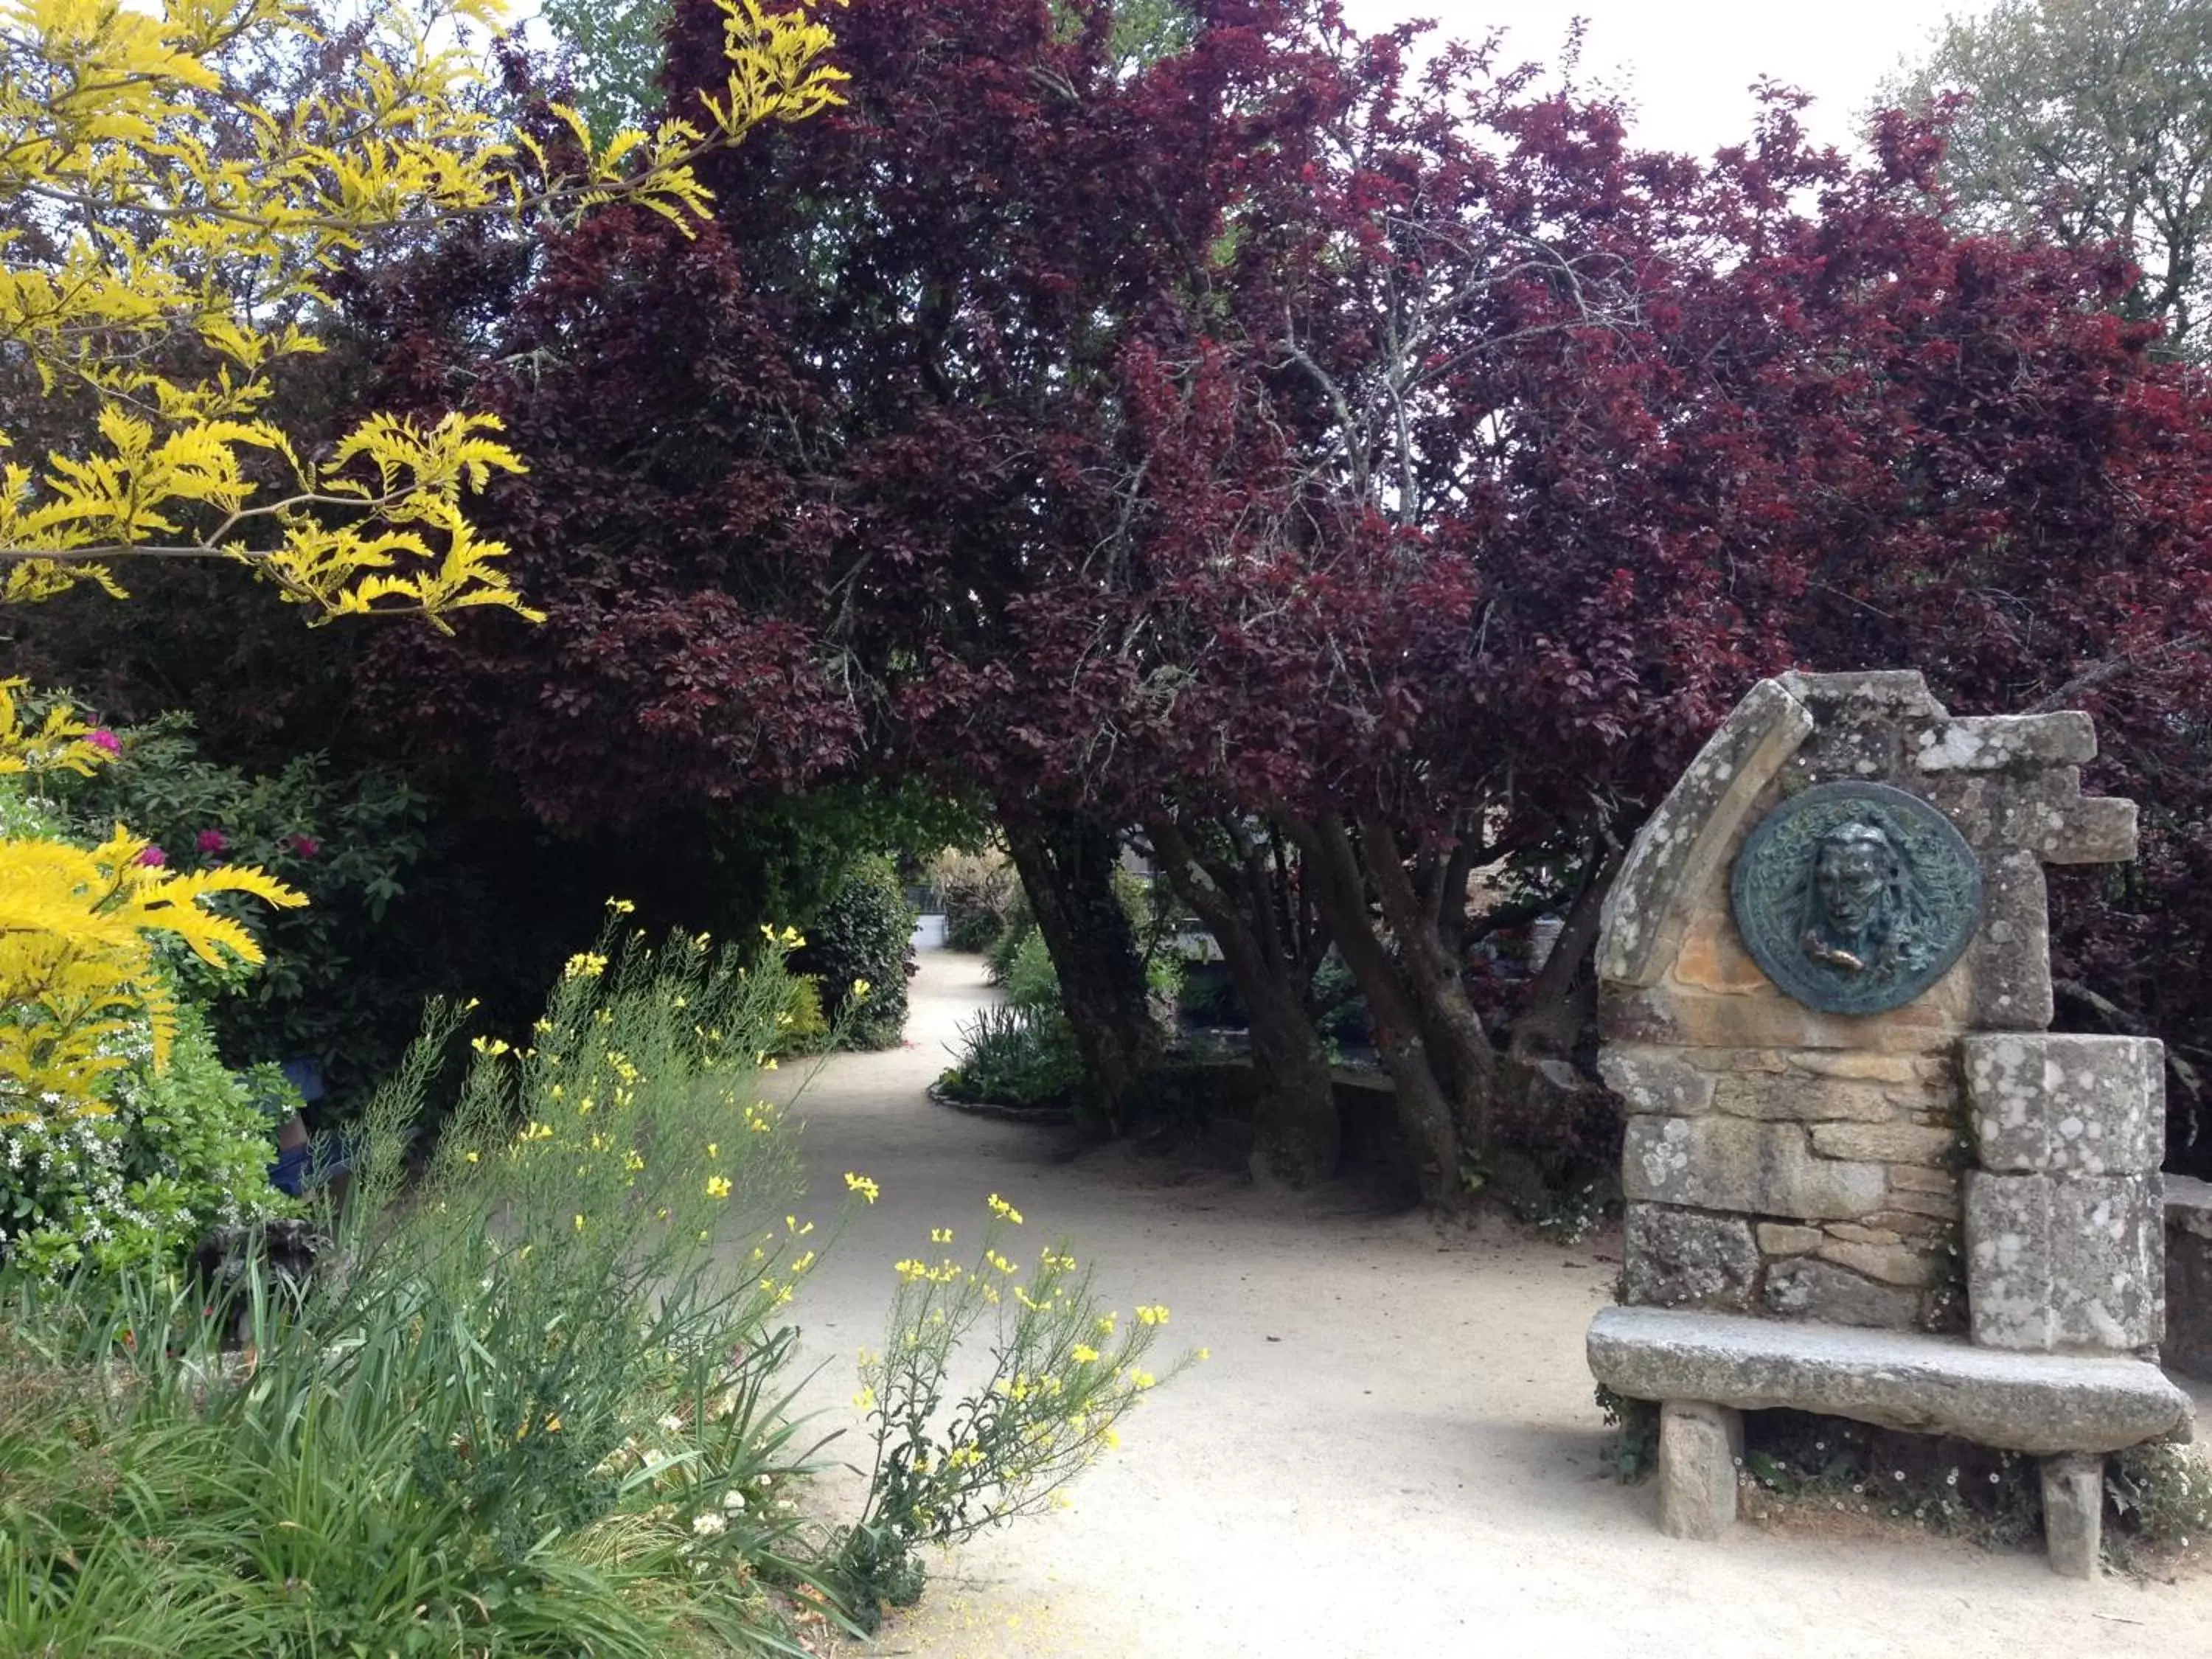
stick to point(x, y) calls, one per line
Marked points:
point(1854, 898)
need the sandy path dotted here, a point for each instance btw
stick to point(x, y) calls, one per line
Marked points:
point(1393, 1449)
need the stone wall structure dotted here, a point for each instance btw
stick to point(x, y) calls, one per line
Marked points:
point(1895, 1143)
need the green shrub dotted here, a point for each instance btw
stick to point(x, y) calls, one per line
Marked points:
point(1021, 927)
point(1016, 1056)
point(1032, 982)
point(183, 1147)
point(980, 893)
point(2161, 1495)
point(861, 938)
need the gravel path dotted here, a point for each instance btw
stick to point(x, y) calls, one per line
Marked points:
point(1393, 1449)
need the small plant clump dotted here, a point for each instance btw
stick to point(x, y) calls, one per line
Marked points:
point(1065, 1370)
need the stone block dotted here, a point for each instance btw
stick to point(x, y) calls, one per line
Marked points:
point(1806, 1288)
point(1857, 1066)
point(1748, 1167)
point(2006, 743)
point(2041, 1404)
point(1780, 1238)
point(2092, 829)
point(1699, 1446)
point(1685, 843)
point(2188, 1344)
point(1655, 1081)
point(1934, 1206)
point(1897, 1263)
point(1884, 1143)
point(2074, 1513)
point(2108, 1261)
point(1801, 1099)
point(1687, 1259)
point(2045, 1104)
point(2008, 964)
point(1918, 1178)
point(2064, 1263)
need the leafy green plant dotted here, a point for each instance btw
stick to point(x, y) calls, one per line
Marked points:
point(1015, 1056)
point(1065, 1370)
point(862, 941)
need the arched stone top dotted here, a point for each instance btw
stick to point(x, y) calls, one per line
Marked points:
point(1697, 827)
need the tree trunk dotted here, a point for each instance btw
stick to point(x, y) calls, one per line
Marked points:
point(1461, 1051)
point(1562, 998)
point(1067, 866)
point(1424, 1111)
point(1296, 1136)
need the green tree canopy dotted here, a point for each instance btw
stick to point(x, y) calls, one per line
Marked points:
point(2090, 121)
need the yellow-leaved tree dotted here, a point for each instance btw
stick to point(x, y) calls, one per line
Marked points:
point(166, 229)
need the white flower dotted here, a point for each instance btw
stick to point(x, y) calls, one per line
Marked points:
point(733, 1500)
point(706, 1524)
point(671, 1423)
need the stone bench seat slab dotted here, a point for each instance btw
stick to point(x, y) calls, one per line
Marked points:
point(2038, 1403)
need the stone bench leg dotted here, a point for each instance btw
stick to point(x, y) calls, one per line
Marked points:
point(1699, 1446)
point(2074, 1513)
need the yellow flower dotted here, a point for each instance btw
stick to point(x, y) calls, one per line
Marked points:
point(580, 1224)
point(1082, 1354)
point(718, 1186)
point(1106, 1324)
point(860, 1184)
point(1152, 1316)
point(860, 989)
point(1005, 1211)
point(490, 1047)
point(584, 964)
point(472, 1157)
point(537, 1131)
point(714, 1149)
point(940, 1235)
point(553, 1425)
point(1206, 1353)
point(621, 906)
point(864, 1400)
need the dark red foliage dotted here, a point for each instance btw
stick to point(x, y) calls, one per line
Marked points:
point(1277, 428)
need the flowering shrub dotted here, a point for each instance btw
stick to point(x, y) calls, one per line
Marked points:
point(339, 968)
point(176, 1151)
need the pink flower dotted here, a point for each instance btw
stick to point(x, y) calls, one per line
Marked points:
point(306, 845)
point(213, 840)
point(101, 738)
point(154, 857)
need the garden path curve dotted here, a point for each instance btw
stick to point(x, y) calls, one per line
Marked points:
point(1393, 1449)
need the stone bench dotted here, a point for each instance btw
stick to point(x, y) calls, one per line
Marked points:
point(2189, 1276)
point(1705, 1370)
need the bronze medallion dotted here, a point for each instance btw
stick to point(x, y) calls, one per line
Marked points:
point(1855, 897)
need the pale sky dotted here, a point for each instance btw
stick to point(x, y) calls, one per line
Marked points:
point(1689, 65)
